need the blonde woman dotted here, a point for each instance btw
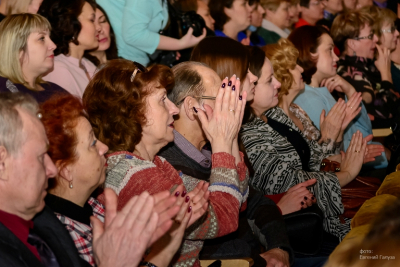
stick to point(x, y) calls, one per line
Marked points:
point(26, 53)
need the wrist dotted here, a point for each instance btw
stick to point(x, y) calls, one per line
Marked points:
point(221, 146)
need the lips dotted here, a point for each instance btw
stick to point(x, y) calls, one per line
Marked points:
point(51, 56)
point(171, 125)
point(103, 40)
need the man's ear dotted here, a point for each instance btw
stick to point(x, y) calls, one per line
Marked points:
point(188, 105)
point(3, 156)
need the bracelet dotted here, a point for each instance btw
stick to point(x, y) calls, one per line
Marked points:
point(146, 263)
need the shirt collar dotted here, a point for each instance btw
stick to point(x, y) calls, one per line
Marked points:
point(18, 226)
point(272, 27)
point(203, 157)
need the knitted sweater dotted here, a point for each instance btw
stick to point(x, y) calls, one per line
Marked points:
point(129, 175)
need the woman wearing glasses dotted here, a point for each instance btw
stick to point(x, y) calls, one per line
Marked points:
point(130, 113)
point(354, 34)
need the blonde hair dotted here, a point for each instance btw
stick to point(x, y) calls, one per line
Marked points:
point(283, 56)
point(14, 33)
point(272, 5)
point(384, 16)
point(17, 6)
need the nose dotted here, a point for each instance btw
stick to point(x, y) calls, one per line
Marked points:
point(173, 109)
point(335, 58)
point(103, 148)
point(375, 39)
point(396, 33)
point(51, 169)
point(52, 45)
point(300, 68)
point(253, 78)
point(277, 84)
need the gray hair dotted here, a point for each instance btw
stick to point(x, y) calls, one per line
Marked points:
point(10, 121)
point(188, 82)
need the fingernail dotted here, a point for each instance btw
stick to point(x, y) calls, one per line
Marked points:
point(238, 78)
point(195, 110)
point(223, 85)
point(177, 193)
point(226, 78)
point(189, 209)
point(240, 97)
point(229, 83)
point(302, 203)
point(233, 88)
point(305, 198)
point(184, 193)
point(187, 199)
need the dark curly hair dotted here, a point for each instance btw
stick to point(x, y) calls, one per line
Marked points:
point(60, 114)
point(112, 51)
point(117, 107)
point(306, 39)
point(63, 17)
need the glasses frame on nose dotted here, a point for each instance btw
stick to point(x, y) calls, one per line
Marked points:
point(369, 37)
point(138, 68)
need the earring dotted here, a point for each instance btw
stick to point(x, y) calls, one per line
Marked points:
point(354, 53)
point(70, 185)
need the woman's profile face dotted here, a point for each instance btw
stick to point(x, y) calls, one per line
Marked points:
point(249, 85)
point(365, 47)
point(88, 36)
point(266, 90)
point(159, 117)
point(89, 170)
point(298, 83)
point(239, 14)
point(103, 37)
point(38, 57)
point(326, 62)
point(390, 36)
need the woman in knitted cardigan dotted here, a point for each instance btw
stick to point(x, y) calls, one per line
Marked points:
point(129, 111)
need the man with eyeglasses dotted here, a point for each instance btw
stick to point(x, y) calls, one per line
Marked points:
point(311, 12)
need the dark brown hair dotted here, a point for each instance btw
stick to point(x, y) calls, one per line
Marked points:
point(217, 12)
point(224, 55)
point(306, 39)
point(117, 107)
point(63, 17)
point(257, 59)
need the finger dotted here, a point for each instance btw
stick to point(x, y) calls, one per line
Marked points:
point(209, 111)
point(369, 138)
point(227, 94)
point(149, 229)
point(196, 190)
point(241, 106)
point(111, 203)
point(160, 231)
point(97, 228)
point(234, 98)
point(202, 117)
point(140, 213)
point(183, 210)
point(220, 96)
point(322, 117)
point(190, 31)
point(304, 184)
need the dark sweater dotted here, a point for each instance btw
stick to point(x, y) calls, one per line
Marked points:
point(262, 215)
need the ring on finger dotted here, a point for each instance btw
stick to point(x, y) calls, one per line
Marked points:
point(232, 110)
point(356, 151)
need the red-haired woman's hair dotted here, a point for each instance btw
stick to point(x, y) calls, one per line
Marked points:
point(60, 115)
point(117, 107)
point(306, 39)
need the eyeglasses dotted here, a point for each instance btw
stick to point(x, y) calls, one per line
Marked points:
point(392, 29)
point(370, 37)
point(317, 3)
point(201, 97)
point(138, 68)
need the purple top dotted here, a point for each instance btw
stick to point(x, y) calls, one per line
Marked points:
point(41, 96)
point(203, 157)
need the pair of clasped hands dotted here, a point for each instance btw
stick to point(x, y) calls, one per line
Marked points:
point(159, 221)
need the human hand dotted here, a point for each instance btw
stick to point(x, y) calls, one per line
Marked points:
point(352, 109)
point(199, 201)
point(353, 159)
point(221, 126)
point(331, 124)
point(245, 41)
point(297, 197)
point(382, 62)
point(372, 151)
point(189, 40)
point(339, 84)
point(276, 257)
point(125, 235)
point(164, 249)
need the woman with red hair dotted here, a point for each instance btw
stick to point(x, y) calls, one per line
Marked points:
point(79, 158)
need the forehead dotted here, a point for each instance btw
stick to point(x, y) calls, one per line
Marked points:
point(267, 69)
point(99, 13)
point(34, 135)
point(326, 40)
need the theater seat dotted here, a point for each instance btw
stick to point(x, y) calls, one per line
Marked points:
point(245, 262)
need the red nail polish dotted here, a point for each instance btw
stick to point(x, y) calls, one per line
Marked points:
point(233, 88)
point(189, 209)
point(187, 199)
point(240, 97)
point(177, 193)
point(223, 85)
point(184, 193)
point(229, 83)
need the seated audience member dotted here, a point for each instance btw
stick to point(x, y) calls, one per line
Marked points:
point(9, 7)
point(321, 79)
point(311, 12)
point(31, 235)
point(353, 33)
point(281, 154)
point(395, 65)
point(204, 12)
point(80, 162)
point(73, 31)
point(107, 48)
point(231, 17)
point(147, 115)
point(26, 51)
point(276, 20)
point(349, 5)
point(331, 10)
point(257, 15)
point(137, 25)
point(294, 13)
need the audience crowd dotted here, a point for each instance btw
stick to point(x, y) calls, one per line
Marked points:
point(164, 132)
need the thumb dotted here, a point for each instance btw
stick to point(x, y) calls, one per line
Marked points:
point(202, 117)
point(343, 155)
point(97, 227)
point(111, 203)
point(322, 118)
point(190, 31)
point(368, 138)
